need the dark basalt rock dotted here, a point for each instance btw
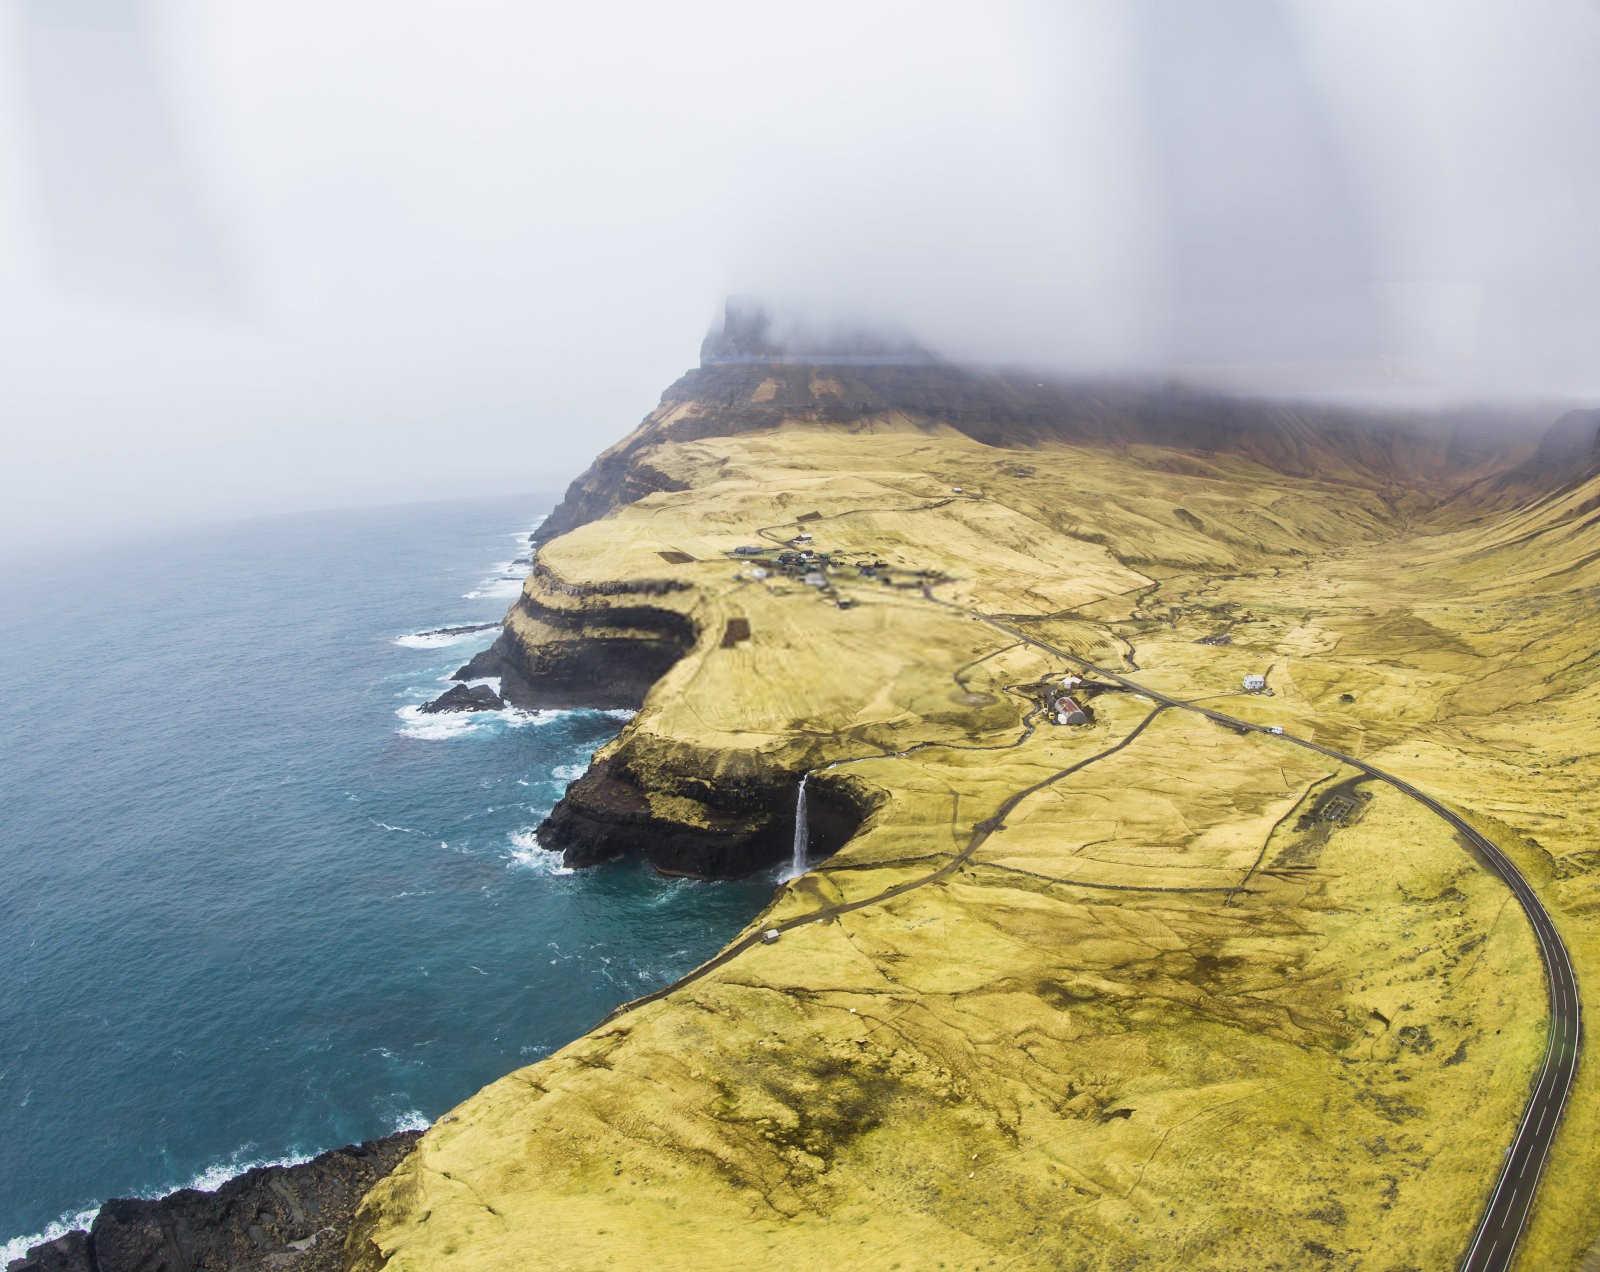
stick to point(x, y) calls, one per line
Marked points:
point(748, 824)
point(271, 1219)
point(465, 698)
point(69, 1253)
point(604, 672)
point(460, 631)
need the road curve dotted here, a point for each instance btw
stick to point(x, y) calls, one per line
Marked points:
point(975, 840)
point(1494, 1240)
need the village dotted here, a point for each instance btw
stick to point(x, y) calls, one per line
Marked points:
point(1063, 701)
point(799, 562)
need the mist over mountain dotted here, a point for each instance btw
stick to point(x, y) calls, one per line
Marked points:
point(285, 257)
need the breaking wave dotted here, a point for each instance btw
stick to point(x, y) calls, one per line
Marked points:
point(441, 638)
point(526, 855)
point(16, 1247)
point(416, 723)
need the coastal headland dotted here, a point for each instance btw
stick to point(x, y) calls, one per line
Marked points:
point(1087, 966)
point(1146, 987)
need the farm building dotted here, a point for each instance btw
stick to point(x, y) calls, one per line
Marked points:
point(1254, 683)
point(1069, 712)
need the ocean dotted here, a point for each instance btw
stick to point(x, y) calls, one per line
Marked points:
point(252, 905)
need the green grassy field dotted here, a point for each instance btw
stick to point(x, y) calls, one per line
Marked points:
point(1165, 1016)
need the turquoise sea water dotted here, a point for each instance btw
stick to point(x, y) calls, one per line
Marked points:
point(251, 906)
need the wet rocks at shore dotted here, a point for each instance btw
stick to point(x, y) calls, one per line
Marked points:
point(466, 629)
point(464, 698)
point(277, 1218)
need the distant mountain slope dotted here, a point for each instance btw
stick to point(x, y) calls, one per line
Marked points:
point(1434, 454)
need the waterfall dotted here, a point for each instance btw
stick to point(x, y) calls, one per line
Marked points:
point(801, 835)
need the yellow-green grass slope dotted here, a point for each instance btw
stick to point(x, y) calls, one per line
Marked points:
point(1155, 1020)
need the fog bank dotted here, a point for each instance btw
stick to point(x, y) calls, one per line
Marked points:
point(256, 258)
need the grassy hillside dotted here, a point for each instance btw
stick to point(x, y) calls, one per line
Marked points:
point(1195, 999)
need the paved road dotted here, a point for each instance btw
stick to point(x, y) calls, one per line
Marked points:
point(1494, 1241)
point(979, 834)
point(1495, 1238)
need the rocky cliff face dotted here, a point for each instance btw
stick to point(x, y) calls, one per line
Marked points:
point(715, 829)
point(605, 654)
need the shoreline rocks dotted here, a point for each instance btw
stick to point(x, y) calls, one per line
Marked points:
point(270, 1219)
point(464, 698)
point(466, 629)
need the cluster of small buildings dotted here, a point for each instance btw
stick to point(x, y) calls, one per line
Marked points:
point(1255, 683)
point(1066, 706)
point(798, 562)
point(803, 564)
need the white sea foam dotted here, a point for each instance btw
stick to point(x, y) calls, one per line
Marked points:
point(415, 723)
point(16, 1247)
point(207, 1180)
point(405, 830)
point(517, 718)
point(568, 772)
point(498, 587)
point(219, 1173)
point(440, 639)
point(527, 855)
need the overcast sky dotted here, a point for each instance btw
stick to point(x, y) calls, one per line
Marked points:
point(260, 257)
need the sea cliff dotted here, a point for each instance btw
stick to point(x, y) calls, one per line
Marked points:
point(1058, 988)
point(1087, 988)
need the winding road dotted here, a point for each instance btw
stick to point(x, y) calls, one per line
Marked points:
point(1495, 1238)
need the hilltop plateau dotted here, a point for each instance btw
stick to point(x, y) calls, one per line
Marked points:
point(1154, 988)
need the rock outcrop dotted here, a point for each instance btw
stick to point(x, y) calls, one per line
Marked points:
point(270, 1219)
point(600, 655)
point(466, 628)
point(465, 698)
point(716, 829)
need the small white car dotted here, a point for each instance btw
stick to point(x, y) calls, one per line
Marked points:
point(1277, 728)
point(771, 935)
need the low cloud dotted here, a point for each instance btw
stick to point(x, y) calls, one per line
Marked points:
point(264, 257)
